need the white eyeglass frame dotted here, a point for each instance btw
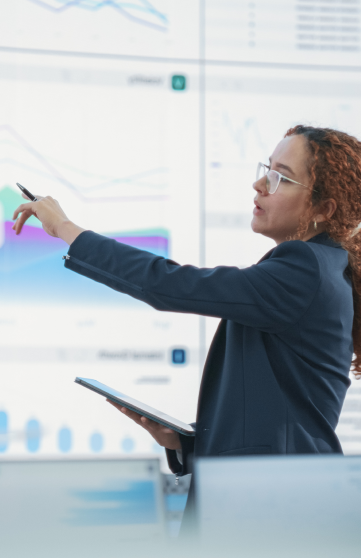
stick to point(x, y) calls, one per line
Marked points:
point(267, 168)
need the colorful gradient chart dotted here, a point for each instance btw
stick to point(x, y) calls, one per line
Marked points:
point(31, 266)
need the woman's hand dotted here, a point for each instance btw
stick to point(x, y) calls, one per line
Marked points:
point(50, 214)
point(162, 435)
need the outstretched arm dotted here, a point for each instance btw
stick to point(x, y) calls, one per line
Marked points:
point(269, 296)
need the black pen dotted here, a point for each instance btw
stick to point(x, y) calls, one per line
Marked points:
point(26, 192)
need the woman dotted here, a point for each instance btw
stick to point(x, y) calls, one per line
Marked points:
point(277, 371)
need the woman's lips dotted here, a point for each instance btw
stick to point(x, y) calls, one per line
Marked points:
point(258, 210)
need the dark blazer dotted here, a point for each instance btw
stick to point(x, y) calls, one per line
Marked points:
point(277, 371)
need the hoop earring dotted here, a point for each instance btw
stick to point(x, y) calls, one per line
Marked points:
point(315, 225)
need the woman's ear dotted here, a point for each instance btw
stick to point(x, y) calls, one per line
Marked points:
point(326, 209)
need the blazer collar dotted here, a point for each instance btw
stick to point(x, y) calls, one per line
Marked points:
point(321, 238)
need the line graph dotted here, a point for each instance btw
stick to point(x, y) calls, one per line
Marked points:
point(131, 10)
point(244, 135)
point(150, 185)
point(142, 28)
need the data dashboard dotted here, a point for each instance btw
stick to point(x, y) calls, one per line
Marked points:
point(146, 120)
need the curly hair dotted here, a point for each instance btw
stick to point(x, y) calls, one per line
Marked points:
point(335, 172)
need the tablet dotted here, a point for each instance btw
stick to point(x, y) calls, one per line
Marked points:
point(137, 406)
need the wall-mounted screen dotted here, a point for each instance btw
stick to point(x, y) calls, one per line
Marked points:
point(146, 121)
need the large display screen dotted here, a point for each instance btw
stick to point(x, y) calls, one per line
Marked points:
point(146, 121)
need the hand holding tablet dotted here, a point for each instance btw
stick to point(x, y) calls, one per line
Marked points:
point(137, 407)
point(164, 436)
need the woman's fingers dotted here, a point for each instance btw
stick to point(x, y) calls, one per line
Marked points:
point(130, 414)
point(23, 212)
point(19, 223)
point(47, 210)
point(164, 436)
point(52, 217)
point(139, 419)
point(28, 207)
point(155, 427)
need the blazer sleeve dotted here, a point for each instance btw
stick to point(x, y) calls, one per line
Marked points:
point(270, 296)
point(184, 468)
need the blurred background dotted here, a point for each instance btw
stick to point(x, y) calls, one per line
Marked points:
point(146, 121)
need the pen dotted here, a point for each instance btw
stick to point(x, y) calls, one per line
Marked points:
point(27, 193)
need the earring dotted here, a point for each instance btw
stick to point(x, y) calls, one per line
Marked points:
point(315, 225)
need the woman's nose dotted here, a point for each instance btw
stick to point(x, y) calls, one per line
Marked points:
point(261, 186)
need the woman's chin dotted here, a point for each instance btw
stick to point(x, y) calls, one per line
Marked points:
point(256, 225)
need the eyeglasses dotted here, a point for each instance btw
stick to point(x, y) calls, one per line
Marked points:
point(273, 178)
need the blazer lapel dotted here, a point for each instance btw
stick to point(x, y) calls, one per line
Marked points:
point(266, 256)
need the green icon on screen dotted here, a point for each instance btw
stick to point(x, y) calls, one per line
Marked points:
point(178, 83)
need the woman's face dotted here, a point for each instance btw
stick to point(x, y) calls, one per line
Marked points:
point(278, 215)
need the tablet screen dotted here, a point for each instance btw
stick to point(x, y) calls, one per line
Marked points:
point(137, 406)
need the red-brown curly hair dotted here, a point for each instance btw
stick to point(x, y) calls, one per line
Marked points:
point(335, 172)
